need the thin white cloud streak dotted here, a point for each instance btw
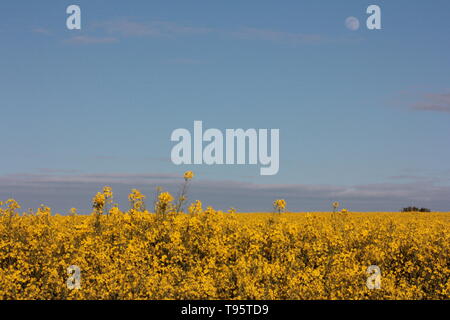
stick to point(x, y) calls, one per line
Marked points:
point(115, 30)
point(129, 28)
point(276, 36)
point(24, 179)
point(42, 31)
point(91, 40)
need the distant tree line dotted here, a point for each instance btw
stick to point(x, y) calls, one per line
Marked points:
point(415, 209)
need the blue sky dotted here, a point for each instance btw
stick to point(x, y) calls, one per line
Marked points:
point(363, 115)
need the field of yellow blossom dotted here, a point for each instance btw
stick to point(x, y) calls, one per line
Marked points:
point(201, 253)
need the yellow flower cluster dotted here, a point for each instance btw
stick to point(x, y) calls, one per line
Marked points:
point(165, 197)
point(279, 205)
point(136, 199)
point(188, 175)
point(12, 204)
point(209, 254)
point(195, 207)
point(98, 202)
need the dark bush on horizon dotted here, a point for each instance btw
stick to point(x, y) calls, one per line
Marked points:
point(415, 209)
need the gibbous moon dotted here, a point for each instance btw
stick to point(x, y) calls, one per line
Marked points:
point(352, 23)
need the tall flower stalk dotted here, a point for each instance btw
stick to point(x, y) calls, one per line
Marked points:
point(188, 175)
point(335, 206)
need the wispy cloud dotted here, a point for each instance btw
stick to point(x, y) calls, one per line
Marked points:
point(63, 191)
point(115, 30)
point(91, 40)
point(40, 30)
point(433, 102)
point(49, 177)
point(129, 28)
point(276, 36)
point(54, 171)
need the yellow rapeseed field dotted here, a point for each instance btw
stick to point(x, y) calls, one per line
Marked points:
point(201, 253)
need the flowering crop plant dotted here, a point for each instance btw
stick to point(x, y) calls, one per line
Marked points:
point(202, 253)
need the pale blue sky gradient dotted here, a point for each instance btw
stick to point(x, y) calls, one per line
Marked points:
point(364, 116)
